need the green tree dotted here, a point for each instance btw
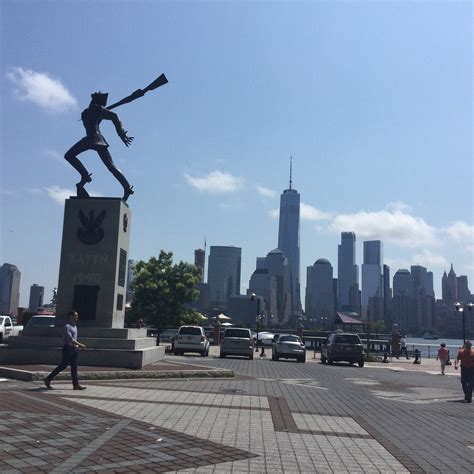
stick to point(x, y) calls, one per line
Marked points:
point(163, 291)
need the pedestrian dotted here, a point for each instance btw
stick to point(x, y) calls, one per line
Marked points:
point(70, 352)
point(403, 343)
point(442, 356)
point(466, 357)
point(396, 343)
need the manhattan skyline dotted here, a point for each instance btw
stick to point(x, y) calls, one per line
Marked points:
point(372, 100)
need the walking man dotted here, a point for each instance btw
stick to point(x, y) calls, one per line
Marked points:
point(70, 352)
point(466, 357)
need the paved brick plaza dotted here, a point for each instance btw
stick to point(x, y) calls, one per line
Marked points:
point(273, 417)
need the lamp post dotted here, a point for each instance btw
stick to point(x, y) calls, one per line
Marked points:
point(462, 308)
point(257, 318)
point(262, 352)
point(324, 319)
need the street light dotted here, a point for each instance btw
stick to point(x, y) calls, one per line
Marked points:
point(324, 319)
point(257, 317)
point(461, 308)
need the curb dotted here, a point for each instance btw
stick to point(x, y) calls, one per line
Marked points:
point(30, 376)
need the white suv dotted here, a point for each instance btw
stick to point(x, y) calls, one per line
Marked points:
point(191, 339)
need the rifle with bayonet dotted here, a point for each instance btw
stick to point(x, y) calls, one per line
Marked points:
point(158, 82)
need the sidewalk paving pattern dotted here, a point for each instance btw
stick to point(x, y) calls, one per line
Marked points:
point(273, 417)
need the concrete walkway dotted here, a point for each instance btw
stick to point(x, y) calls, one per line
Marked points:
point(278, 417)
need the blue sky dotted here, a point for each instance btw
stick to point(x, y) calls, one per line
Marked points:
point(372, 99)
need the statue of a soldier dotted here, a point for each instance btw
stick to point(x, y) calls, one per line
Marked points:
point(94, 140)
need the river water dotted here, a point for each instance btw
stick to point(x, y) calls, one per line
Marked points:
point(429, 347)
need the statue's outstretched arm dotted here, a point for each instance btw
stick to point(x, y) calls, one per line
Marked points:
point(121, 132)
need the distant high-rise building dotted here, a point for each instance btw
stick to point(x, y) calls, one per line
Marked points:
point(464, 295)
point(429, 284)
point(9, 289)
point(263, 284)
point(372, 278)
point(423, 300)
point(36, 297)
point(200, 261)
point(387, 297)
point(348, 293)
point(277, 265)
point(223, 275)
point(420, 276)
point(402, 300)
point(289, 240)
point(319, 291)
point(449, 286)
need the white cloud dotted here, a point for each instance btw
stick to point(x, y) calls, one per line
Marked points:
point(7, 192)
point(310, 213)
point(461, 232)
point(59, 194)
point(275, 213)
point(307, 213)
point(215, 182)
point(41, 89)
point(54, 155)
point(398, 206)
point(266, 192)
point(395, 227)
point(429, 259)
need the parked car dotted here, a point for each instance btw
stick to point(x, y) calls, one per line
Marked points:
point(288, 346)
point(168, 335)
point(42, 321)
point(7, 328)
point(265, 338)
point(346, 347)
point(191, 339)
point(237, 341)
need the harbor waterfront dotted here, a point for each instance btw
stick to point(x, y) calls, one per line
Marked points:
point(429, 347)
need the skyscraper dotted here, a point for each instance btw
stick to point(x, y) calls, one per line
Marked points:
point(319, 292)
point(449, 285)
point(464, 295)
point(372, 279)
point(36, 297)
point(387, 297)
point(348, 292)
point(276, 263)
point(223, 274)
point(289, 240)
point(423, 308)
point(9, 289)
point(200, 261)
point(402, 301)
point(263, 284)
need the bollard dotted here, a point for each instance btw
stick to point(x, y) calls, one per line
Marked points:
point(385, 358)
point(417, 357)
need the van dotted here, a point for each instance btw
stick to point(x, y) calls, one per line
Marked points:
point(191, 339)
point(237, 341)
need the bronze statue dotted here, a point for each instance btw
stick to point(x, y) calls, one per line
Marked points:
point(94, 140)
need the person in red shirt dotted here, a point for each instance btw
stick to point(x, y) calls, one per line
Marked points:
point(443, 356)
point(466, 357)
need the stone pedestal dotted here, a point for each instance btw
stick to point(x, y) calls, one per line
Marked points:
point(94, 256)
point(92, 281)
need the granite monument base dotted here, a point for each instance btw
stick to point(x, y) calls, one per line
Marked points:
point(106, 347)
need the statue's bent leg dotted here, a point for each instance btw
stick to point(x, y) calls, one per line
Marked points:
point(71, 158)
point(107, 160)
